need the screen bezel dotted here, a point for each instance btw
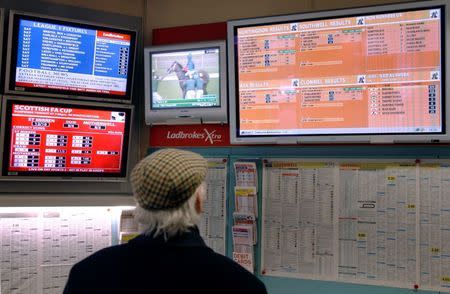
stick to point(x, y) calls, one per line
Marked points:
point(152, 53)
point(62, 176)
point(236, 138)
point(12, 54)
point(189, 115)
point(2, 39)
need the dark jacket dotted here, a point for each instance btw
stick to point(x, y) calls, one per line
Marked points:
point(182, 264)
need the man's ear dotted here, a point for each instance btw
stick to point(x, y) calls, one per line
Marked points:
point(198, 203)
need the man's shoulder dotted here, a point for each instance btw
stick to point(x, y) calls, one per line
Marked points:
point(203, 261)
point(232, 272)
point(104, 256)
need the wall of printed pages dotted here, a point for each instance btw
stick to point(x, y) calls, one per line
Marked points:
point(359, 221)
point(39, 245)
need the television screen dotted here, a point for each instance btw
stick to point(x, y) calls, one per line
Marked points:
point(43, 138)
point(186, 80)
point(55, 56)
point(345, 75)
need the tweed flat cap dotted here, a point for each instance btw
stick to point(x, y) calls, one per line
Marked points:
point(167, 178)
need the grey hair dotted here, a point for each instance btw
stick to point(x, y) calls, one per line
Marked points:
point(174, 221)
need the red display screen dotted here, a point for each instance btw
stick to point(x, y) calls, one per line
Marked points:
point(50, 139)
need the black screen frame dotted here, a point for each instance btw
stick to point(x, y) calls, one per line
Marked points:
point(16, 17)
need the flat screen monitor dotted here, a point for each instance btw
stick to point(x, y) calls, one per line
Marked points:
point(374, 74)
point(51, 56)
point(69, 140)
point(186, 83)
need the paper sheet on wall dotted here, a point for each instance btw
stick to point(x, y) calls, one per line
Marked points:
point(246, 174)
point(39, 248)
point(243, 245)
point(246, 200)
point(377, 223)
point(19, 252)
point(128, 222)
point(213, 222)
point(245, 218)
point(129, 227)
point(242, 235)
point(245, 259)
point(392, 223)
point(298, 209)
point(434, 217)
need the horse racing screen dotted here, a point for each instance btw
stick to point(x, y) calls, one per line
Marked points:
point(55, 56)
point(373, 71)
point(185, 78)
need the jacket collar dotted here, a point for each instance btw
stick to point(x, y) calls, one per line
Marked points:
point(191, 238)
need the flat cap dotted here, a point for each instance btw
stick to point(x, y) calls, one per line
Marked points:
point(167, 178)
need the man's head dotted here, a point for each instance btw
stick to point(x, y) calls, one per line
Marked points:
point(169, 187)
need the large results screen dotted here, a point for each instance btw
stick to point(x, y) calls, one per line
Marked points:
point(58, 139)
point(185, 78)
point(364, 74)
point(66, 57)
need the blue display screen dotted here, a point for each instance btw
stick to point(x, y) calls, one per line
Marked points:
point(72, 58)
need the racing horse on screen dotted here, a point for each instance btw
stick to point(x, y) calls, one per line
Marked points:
point(184, 76)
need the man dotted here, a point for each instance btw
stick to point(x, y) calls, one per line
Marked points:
point(170, 256)
point(198, 85)
point(155, 83)
point(190, 66)
point(190, 87)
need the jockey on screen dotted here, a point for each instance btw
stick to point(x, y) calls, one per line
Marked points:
point(190, 66)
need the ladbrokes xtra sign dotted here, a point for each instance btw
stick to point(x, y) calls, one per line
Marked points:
point(192, 135)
